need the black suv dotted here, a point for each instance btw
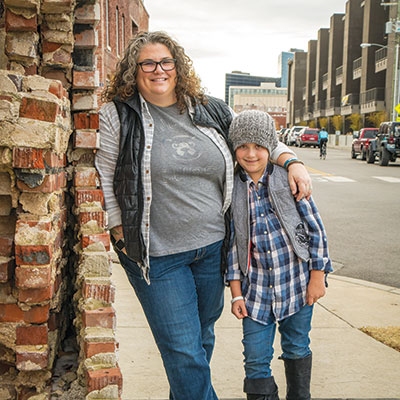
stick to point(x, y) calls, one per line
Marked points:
point(386, 146)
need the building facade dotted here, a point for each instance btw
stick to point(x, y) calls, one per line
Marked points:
point(341, 84)
point(283, 65)
point(237, 78)
point(266, 97)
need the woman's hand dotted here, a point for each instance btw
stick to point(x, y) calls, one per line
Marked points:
point(118, 235)
point(299, 181)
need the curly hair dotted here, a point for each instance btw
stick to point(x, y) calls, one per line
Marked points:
point(123, 84)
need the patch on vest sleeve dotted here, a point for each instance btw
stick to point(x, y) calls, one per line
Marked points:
point(301, 235)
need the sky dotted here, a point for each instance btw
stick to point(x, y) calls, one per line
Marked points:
point(222, 36)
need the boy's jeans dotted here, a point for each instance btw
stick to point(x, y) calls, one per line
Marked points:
point(258, 340)
point(182, 304)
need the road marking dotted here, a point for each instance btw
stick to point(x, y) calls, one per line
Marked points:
point(314, 171)
point(330, 178)
point(339, 179)
point(389, 179)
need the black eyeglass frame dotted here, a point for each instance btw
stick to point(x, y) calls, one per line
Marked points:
point(158, 63)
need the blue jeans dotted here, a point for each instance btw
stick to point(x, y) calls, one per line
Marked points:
point(258, 341)
point(181, 304)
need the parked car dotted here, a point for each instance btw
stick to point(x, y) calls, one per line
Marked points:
point(282, 134)
point(291, 137)
point(307, 137)
point(361, 141)
point(386, 145)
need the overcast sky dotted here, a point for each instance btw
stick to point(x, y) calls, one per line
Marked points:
point(221, 36)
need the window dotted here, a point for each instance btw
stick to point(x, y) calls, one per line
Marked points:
point(123, 33)
point(107, 10)
point(117, 31)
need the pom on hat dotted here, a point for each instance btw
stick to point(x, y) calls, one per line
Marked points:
point(253, 126)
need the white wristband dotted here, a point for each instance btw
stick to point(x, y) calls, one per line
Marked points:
point(236, 299)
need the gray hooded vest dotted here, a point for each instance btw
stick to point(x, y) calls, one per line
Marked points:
point(284, 205)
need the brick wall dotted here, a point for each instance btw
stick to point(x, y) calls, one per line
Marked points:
point(57, 322)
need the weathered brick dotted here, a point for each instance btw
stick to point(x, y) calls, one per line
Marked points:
point(5, 183)
point(7, 266)
point(41, 224)
point(57, 89)
point(50, 47)
point(5, 205)
point(32, 158)
point(88, 195)
point(18, 23)
point(31, 335)
point(101, 317)
point(31, 69)
point(86, 120)
point(86, 38)
point(37, 314)
point(36, 296)
point(93, 348)
point(62, 75)
point(56, 6)
point(28, 157)
point(85, 100)
point(99, 289)
point(87, 13)
point(6, 245)
point(31, 358)
point(11, 313)
point(6, 291)
point(40, 109)
point(33, 277)
point(98, 216)
point(87, 139)
point(85, 79)
point(89, 239)
point(50, 184)
point(62, 56)
point(99, 379)
point(33, 254)
point(86, 178)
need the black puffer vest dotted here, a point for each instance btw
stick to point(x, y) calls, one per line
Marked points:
point(128, 187)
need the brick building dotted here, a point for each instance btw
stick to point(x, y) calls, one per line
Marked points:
point(56, 293)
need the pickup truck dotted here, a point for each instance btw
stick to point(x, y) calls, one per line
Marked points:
point(386, 145)
point(361, 142)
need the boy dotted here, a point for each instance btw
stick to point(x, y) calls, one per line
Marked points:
point(277, 262)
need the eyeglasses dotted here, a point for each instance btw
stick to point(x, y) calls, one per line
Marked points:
point(167, 64)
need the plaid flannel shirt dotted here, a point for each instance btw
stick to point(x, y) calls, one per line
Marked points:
point(277, 279)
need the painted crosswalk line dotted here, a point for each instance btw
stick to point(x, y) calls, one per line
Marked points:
point(389, 179)
point(339, 179)
point(330, 178)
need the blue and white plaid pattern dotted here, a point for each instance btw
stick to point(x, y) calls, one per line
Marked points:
point(277, 279)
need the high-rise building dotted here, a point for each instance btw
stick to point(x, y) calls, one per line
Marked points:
point(283, 67)
point(237, 78)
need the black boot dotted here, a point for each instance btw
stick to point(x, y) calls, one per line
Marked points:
point(261, 389)
point(298, 378)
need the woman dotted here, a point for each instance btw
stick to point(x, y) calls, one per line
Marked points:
point(164, 163)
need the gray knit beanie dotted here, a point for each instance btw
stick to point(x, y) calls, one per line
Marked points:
point(253, 126)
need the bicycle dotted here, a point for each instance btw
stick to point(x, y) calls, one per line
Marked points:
point(323, 151)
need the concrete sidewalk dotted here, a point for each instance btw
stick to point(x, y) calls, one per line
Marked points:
point(347, 364)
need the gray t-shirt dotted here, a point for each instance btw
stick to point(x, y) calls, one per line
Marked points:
point(187, 178)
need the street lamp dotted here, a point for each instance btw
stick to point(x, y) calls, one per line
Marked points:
point(364, 45)
point(396, 75)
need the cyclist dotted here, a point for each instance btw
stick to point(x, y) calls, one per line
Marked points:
point(322, 138)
